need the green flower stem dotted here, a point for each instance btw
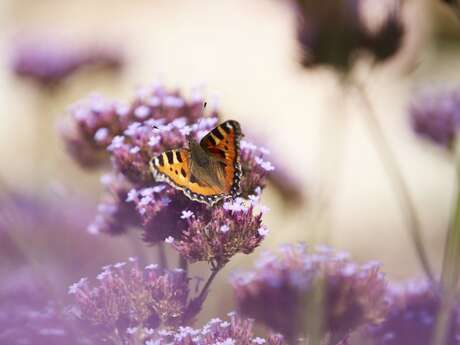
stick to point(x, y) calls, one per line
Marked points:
point(206, 286)
point(394, 174)
point(450, 265)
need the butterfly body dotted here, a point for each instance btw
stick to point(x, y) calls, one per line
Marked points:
point(207, 171)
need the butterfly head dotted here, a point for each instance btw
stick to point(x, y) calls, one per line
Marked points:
point(193, 144)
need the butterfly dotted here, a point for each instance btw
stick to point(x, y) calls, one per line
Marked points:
point(208, 171)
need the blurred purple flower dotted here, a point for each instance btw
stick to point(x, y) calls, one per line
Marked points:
point(436, 116)
point(50, 61)
point(27, 316)
point(412, 315)
point(127, 297)
point(236, 331)
point(283, 287)
point(50, 224)
point(114, 215)
point(333, 32)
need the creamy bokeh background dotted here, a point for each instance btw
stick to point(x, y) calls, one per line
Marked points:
point(244, 53)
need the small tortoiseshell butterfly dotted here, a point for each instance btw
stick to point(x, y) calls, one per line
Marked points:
point(207, 171)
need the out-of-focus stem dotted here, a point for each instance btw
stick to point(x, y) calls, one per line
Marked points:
point(206, 286)
point(197, 303)
point(162, 259)
point(393, 172)
point(450, 265)
point(115, 337)
point(455, 6)
point(314, 321)
point(137, 247)
point(4, 188)
point(183, 263)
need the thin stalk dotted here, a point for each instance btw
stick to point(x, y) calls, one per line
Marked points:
point(4, 187)
point(206, 286)
point(43, 136)
point(314, 321)
point(394, 174)
point(450, 265)
point(162, 259)
point(115, 337)
point(137, 247)
point(196, 304)
point(183, 263)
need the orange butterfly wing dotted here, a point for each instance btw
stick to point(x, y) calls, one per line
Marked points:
point(223, 143)
point(173, 167)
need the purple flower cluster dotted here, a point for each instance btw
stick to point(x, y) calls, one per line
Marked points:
point(436, 116)
point(152, 306)
point(114, 214)
point(412, 316)
point(48, 61)
point(98, 123)
point(284, 287)
point(235, 331)
point(333, 32)
point(156, 121)
point(218, 235)
point(128, 297)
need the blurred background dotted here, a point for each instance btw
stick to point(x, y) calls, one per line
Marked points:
point(243, 54)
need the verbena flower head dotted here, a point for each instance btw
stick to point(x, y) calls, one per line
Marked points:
point(126, 296)
point(216, 236)
point(412, 316)
point(235, 331)
point(333, 32)
point(282, 288)
point(436, 116)
point(159, 205)
point(159, 120)
point(98, 123)
point(114, 215)
point(49, 61)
